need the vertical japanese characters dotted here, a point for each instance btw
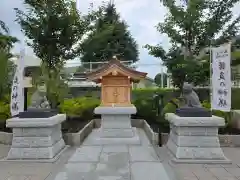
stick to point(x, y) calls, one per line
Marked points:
point(15, 105)
point(17, 94)
point(221, 78)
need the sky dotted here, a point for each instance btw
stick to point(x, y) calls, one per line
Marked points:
point(141, 15)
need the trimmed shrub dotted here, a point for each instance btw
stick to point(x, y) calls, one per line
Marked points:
point(79, 107)
point(229, 127)
point(203, 93)
point(171, 106)
point(168, 94)
point(235, 98)
point(4, 111)
point(143, 99)
point(5, 108)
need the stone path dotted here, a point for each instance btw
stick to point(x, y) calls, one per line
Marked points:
point(66, 165)
point(114, 162)
point(206, 171)
point(30, 171)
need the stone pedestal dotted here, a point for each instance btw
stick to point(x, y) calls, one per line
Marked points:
point(116, 125)
point(36, 139)
point(195, 139)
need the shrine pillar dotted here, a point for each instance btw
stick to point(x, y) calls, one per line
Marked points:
point(116, 121)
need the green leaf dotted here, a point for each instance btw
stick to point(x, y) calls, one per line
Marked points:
point(192, 29)
point(109, 37)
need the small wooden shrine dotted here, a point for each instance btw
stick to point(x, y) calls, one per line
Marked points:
point(116, 82)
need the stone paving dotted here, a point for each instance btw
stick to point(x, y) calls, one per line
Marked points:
point(114, 162)
point(30, 171)
point(206, 171)
point(143, 165)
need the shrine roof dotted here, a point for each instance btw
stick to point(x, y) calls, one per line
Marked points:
point(115, 64)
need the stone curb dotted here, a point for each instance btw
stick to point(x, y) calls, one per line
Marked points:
point(76, 139)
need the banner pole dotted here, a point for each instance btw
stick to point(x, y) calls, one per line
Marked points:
point(210, 75)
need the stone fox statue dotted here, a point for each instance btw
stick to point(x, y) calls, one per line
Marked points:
point(190, 96)
point(39, 100)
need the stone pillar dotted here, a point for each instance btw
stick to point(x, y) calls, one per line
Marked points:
point(116, 121)
point(195, 139)
point(36, 139)
point(116, 125)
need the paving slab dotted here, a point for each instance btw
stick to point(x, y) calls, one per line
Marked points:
point(114, 162)
point(185, 171)
point(31, 170)
point(86, 154)
point(143, 153)
point(148, 170)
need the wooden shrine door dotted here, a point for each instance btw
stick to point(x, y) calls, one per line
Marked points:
point(116, 91)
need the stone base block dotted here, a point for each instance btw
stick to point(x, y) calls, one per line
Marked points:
point(116, 121)
point(46, 140)
point(119, 133)
point(196, 153)
point(36, 152)
point(52, 160)
point(92, 140)
point(37, 131)
point(115, 110)
point(36, 139)
point(195, 139)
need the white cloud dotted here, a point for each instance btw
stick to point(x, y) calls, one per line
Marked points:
point(141, 15)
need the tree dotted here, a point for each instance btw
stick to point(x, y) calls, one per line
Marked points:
point(236, 51)
point(158, 79)
point(190, 30)
point(6, 41)
point(54, 29)
point(6, 73)
point(109, 37)
point(7, 66)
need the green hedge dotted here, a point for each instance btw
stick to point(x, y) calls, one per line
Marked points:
point(5, 106)
point(80, 107)
point(141, 98)
point(171, 108)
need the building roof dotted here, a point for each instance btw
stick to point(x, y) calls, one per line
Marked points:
point(114, 65)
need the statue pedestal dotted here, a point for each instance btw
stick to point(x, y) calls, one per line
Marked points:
point(116, 125)
point(36, 139)
point(195, 139)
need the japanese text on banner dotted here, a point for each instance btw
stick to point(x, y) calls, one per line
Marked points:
point(221, 78)
point(17, 94)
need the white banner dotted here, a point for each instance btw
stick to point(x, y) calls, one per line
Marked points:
point(221, 78)
point(17, 94)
